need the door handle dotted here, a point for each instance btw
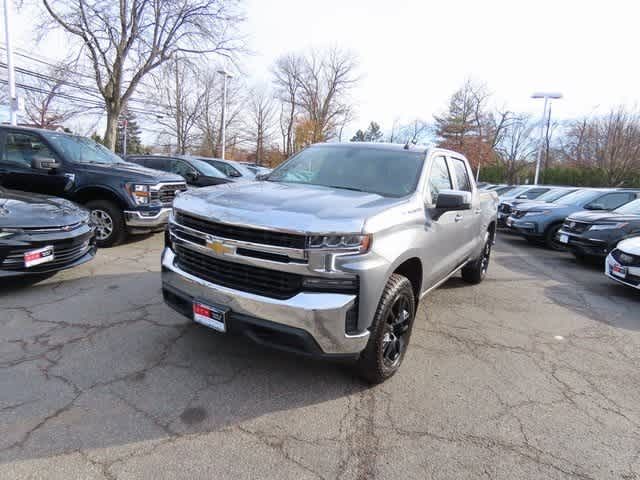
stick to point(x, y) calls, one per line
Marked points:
point(477, 211)
point(458, 217)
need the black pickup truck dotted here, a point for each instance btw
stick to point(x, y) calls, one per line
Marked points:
point(122, 197)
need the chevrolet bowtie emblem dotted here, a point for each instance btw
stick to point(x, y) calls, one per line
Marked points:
point(218, 247)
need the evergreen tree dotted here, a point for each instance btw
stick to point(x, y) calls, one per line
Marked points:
point(134, 145)
point(358, 137)
point(372, 134)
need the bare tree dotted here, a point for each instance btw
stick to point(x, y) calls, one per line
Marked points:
point(176, 88)
point(610, 143)
point(286, 72)
point(44, 105)
point(260, 122)
point(126, 40)
point(517, 146)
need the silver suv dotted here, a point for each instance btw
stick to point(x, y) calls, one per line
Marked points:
point(330, 254)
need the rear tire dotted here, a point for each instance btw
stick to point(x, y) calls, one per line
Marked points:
point(475, 271)
point(550, 238)
point(390, 332)
point(108, 221)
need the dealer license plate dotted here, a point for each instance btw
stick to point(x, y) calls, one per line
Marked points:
point(509, 222)
point(619, 271)
point(38, 256)
point(210, 316)
point(564, 238)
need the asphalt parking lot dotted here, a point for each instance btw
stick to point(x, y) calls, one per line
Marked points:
point(535, 373)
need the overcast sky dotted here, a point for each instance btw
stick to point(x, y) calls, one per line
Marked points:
point(413, 54)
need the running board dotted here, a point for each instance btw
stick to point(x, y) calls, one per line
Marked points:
point(451, 274)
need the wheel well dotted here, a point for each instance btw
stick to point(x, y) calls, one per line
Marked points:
point(97, 193)
point(412, 269)
point(554, 224)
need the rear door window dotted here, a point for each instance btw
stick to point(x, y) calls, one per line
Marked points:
point(21, 148)
point(613, 200)
point(461, 174)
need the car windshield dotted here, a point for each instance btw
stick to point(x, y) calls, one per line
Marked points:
point(580, 197)
point(82, 149)
point(553, 195)
point(392, 173)
point(631, 208)
point(515, 192)
point(503, 190)
point(205, 169)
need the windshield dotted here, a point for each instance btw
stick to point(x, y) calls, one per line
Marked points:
point(553, 195)
point(578, 198)
point(515, 192)
point(631, 208)
point(81, 149)
point(392, 173)
point(205, 169)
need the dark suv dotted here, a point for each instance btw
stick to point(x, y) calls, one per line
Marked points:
point(196, 172)
point(122, 197)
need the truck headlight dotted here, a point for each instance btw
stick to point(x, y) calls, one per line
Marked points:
point(340, 242)
point(139, 193)
point(608, 226)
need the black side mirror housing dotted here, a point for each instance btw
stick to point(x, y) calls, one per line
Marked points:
point(261, 176)
point(594, 206)
point(45, 163)
point(191, 176)
point(449, 200)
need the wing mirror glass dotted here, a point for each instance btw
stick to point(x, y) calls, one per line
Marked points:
point(44, 163)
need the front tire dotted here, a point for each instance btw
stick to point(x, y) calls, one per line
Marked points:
point(390, 332)
point(108, 221)
point(475, 271)
point(550, 238)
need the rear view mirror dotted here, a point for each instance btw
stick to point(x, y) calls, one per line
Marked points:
point(44, 163)
point(453, 200)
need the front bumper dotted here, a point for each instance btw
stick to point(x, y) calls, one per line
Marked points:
point(147, 220)
point(632, 278)
point(319, 319)
point(584, 245)
point(524, 227)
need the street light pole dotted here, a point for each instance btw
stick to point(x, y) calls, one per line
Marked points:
point(547, 97)
point(225, 75)
point(11, 75)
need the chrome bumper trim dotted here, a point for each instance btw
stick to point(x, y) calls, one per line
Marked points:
point(136, 219)
point(322, 315)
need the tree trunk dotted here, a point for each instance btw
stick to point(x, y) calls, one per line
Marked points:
point(111, 132)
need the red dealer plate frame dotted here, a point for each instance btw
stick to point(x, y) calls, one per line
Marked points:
point(38, 256)
point(210, 316)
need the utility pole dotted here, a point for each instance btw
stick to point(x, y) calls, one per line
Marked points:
point(225, 75)
point(547, 97)
point(11, 74)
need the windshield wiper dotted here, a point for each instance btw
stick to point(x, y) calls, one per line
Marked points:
point(344, 187)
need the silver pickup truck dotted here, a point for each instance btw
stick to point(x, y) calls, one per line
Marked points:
point(330, 254)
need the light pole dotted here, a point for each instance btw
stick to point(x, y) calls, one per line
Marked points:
point(548, 96)
point(11, 75)
point(225, 75)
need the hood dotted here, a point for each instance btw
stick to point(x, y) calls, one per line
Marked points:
point(132, 172)
point(30, 210)
point(630, 245)
point(291, 207)
point(589, 216)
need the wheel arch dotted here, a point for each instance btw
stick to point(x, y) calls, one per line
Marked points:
point(87, 194)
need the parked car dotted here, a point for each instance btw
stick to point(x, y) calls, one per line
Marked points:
point(231, 169)
point(123, 197)
point(41, 234)
point(551, 195)
point(623, 263)
point(330, 254)
point(502, 190)
point(595, 234)
point(196, 172)
point(542, 221)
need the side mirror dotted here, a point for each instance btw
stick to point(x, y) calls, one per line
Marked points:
point(44, 163)
point(191, 176)
point(449, 200)
point(261, 176)
point(594, 206)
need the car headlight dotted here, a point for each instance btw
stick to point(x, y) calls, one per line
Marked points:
point(340, 242)
point(534, 213)
point(139, 193)
point(608, 226)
